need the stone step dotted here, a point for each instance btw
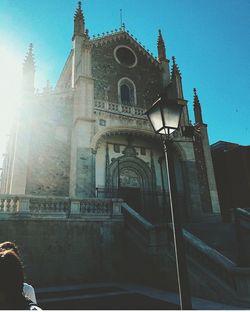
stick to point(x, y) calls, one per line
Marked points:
point(74, 291)
point(98, 297)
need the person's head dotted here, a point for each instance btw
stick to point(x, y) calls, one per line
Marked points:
point(9, 246)
point(11, 275)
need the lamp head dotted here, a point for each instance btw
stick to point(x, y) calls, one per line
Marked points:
point(164, 115)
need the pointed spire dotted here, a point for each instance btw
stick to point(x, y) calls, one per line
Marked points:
point(29, 62)
point(29, 72)
point(197, 109)
point(176, 80)
point(79, 22)
point(175, 69)
point(161, 48)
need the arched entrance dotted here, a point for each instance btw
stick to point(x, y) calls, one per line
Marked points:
point(141, 180)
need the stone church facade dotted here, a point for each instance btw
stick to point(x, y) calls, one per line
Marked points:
point(89, 136)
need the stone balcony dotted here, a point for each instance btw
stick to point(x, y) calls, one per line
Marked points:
point(121, 109)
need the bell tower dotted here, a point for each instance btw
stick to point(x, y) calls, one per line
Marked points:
point(23, 128)
point(82, 162)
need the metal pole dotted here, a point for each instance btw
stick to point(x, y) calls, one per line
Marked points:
point(180, 257)
point(118, 177)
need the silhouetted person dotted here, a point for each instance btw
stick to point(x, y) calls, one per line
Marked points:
point(28, 290)
point(11, 283)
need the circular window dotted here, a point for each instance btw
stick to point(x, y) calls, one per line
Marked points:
point(125, 56)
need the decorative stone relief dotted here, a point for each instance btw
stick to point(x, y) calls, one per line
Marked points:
point(129, 178)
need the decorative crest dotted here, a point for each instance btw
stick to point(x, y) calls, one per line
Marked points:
point(130, 151)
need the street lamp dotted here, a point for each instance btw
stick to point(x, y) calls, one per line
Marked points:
point(164, 116)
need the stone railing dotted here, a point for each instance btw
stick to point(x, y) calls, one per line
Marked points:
point(216, 266)
point(120, 108)
point(209, 258)
point(62, 207)
point(9, 204)
point(145, 235)
point(242, 229)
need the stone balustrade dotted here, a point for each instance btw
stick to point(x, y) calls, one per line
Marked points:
point(61, 207)
point(9, 204)
point(120, 108)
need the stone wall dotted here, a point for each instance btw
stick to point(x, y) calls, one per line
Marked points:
point(66, 251)
point(49, 156)
point(107, 72)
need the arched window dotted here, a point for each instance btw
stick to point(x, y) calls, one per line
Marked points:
point(126, 92)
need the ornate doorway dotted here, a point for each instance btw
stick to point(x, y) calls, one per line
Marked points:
point(133, 178)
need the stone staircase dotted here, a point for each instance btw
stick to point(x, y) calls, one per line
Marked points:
point(117, 296)
point(102, 296)
point(212, 275)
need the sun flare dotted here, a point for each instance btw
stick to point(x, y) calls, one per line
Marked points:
point(10, 89)
point(10, 78)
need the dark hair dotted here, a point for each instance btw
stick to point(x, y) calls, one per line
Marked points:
point(9, 246)
point(11, 273)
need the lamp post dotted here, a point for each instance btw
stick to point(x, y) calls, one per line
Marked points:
point(164, 116)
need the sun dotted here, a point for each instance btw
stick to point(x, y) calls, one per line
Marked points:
point(10, 90)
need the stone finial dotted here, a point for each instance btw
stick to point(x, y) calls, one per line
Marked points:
point(79, 22)
point(31, 48)
point(175, 69)
point(197, 108)
point(161, 47)
point(196, 98)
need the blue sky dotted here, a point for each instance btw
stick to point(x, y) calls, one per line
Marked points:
point(210, 40)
